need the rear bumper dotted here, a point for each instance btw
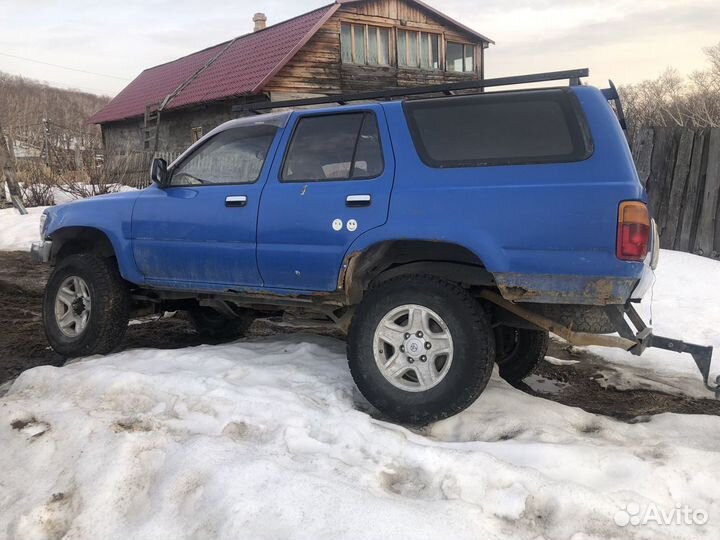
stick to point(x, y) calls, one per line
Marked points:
point(41, 251)
point(566, 289)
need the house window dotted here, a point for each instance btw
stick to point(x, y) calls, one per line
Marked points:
point(460, 57)
point(365, 44)
point(418, 49)
point(196, 134)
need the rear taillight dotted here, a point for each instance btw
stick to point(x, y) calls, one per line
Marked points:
point(633, 239)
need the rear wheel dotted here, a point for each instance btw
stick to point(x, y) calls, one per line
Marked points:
point(518, 351)
point(213, 324)
point(420, 349)
point(86, 306)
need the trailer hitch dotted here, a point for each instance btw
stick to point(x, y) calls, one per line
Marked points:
point(633, 340)
point(644, 338)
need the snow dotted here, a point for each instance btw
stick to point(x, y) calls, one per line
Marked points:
point(542, 385)
point(560, 362)
point(62, 197)
point(269, 439)
point(18, 231)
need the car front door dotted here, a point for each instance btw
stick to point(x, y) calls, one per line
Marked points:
point(199, 231)
point(332, 184)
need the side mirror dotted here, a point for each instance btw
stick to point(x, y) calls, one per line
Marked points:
point(159, 171)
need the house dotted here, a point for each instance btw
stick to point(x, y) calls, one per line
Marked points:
point(346, 46)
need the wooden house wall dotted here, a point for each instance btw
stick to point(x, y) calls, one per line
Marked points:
point(318, 68)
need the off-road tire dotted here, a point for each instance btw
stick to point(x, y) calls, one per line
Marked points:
point(528, 348)
point(110, 310)
point(211, 324)
point(473, 342)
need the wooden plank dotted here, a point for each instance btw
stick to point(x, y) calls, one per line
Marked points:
point(661, 175)
point(707, 224)
point(642, 153)
point(713, 170)
point(673, 213)
point(654, 182)
point(691, 210)
point(669, 168)
point(7, 170)
point(19, 206)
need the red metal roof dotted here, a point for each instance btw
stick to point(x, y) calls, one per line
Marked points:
point(243, 66)
point(238, 67)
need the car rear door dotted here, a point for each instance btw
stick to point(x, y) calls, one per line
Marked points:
point(330, 183)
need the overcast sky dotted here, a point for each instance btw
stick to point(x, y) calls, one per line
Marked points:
point(626, 40)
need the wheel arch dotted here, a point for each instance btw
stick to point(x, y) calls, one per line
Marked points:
point(74, 240)
point(390, 258)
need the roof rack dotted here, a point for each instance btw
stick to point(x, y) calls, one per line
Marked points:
point(573, 75)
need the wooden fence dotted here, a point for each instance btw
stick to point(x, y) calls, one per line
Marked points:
point(680, 168)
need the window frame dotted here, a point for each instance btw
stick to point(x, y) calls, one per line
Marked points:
point(464, 45)
point(196, 133)
point(418, 41)
point(578, 127)
point(291, 138)
point(194, 152)
point(366, 43)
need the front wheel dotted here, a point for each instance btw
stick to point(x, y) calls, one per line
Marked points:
point(86, 306)
point(420, 349)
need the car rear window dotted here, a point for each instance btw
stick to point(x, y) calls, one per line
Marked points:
point(540, 126)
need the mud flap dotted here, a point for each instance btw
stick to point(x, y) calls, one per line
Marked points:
point(644, 338)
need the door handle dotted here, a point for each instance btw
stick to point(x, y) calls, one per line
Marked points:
point(236, 201)
point(357, 201)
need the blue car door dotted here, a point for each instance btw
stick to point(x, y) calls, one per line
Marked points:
point(200, 230)
point(330, 183)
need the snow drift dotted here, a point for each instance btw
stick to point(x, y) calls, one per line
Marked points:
point(269, 439)
point(16, 231)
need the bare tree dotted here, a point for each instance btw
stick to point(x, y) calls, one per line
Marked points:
point(671, 100)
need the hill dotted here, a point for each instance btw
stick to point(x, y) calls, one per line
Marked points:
point(25, 102)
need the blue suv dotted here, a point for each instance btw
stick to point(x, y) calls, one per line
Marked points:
point(443, 234)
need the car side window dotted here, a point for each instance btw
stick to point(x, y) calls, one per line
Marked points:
point(235, 156)
point(342, 146)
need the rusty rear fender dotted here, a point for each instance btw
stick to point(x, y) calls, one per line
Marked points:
point(565, 289)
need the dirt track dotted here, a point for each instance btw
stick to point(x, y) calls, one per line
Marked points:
point(23, 346)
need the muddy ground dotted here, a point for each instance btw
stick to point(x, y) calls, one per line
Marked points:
point(23, 346)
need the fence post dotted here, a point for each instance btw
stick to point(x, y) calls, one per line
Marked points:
point(7, 166)
point(675, 206)
point(642, 153)
point(704, 242)
point(691, 207)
